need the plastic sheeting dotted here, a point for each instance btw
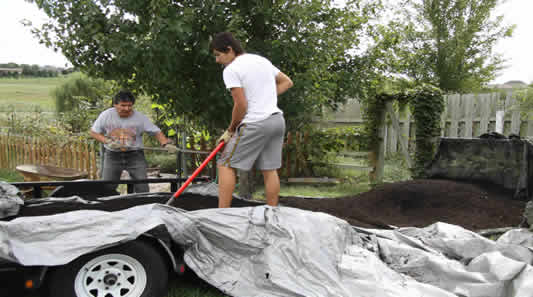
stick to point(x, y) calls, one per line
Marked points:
point(10, 200)
point(263, 251)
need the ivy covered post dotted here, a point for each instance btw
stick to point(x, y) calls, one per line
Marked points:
point(375, 116)
point(426, 103)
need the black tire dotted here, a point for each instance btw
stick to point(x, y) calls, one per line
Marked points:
point(134, 269)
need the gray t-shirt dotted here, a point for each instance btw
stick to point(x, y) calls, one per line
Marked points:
point(126, 130)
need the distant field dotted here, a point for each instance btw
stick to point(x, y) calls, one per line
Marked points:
point(24, 94)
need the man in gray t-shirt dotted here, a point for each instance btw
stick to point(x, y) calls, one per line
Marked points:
point(120, 129)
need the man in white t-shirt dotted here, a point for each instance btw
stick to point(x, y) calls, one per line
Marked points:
point(255, 134)
point(120, 129)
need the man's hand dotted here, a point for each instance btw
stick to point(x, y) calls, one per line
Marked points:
point(113, 144)
point(225, 137)
point(171, 149)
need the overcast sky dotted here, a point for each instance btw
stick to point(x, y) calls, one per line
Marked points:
point(18, 45)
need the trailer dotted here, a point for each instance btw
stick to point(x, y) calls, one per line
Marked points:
point(136, 268)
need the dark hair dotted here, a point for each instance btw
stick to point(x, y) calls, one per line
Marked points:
point(124, 96)
point(223, 40)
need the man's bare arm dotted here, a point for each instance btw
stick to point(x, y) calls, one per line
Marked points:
point(99, 137)
point(283, 83)
point(161, 138)
point(240, 106)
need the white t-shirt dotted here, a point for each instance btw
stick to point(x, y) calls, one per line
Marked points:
point(126, 130)
point(257, 76)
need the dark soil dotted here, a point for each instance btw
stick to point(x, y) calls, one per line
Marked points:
point(415, 203)
point(418, 203)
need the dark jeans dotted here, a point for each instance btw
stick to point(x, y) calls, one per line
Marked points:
point(133, 162)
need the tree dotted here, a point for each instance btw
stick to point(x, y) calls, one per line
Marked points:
point(160, 47)
point(80, 99)
point(449, 43)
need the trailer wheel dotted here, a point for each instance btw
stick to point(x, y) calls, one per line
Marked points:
point(134, 269)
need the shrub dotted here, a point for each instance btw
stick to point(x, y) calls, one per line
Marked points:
point(79, 101)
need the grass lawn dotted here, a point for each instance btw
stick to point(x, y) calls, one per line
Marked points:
point(24, 94)
point(10, 176)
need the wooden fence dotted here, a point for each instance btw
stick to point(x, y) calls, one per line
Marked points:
point(465, 116)
point(18, 150)
point(83, 155)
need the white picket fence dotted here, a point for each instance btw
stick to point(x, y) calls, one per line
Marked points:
point(465, 116)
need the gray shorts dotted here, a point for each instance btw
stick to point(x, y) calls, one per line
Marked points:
point(259, 142)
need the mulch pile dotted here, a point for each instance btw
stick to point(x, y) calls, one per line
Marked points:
point(415, 203)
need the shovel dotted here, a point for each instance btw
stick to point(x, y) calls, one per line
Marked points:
point(196, 172)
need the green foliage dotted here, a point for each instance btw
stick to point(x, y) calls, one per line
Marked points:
point(165, 162)
point(161, 48)
point(10, 176)
point(31, 123)
point(427, 103)
point(524, 101)
point(447, 43)
point(37, 123)
point(94, 91)
point(352, 137)
point(396, 169)
point(310, 149)
point(373, 113)
point(79, 101)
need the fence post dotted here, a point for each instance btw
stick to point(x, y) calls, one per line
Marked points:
point(377, 158)
point(469, 115)
point(485, 113)
point(515, 115)
point(86, 158)
point(499, 121)
point(94, 167)
point(454, 126)
point(529, 131)
point(79, 152)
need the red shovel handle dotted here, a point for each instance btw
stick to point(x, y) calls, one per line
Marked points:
point(196, 172)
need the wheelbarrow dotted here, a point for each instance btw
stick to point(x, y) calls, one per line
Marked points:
point(33, 172)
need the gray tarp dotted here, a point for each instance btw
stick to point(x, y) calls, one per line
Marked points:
point(10, 200)
point(265, 251)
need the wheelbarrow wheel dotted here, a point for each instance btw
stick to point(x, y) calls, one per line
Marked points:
point(135, 269)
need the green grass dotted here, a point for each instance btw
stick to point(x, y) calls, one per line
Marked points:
point(322, 191)
point(10, 176)
point(351, 181)
point(24, 94)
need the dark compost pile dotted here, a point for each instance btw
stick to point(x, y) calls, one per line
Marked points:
point(418, 203)
point(415, 203)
